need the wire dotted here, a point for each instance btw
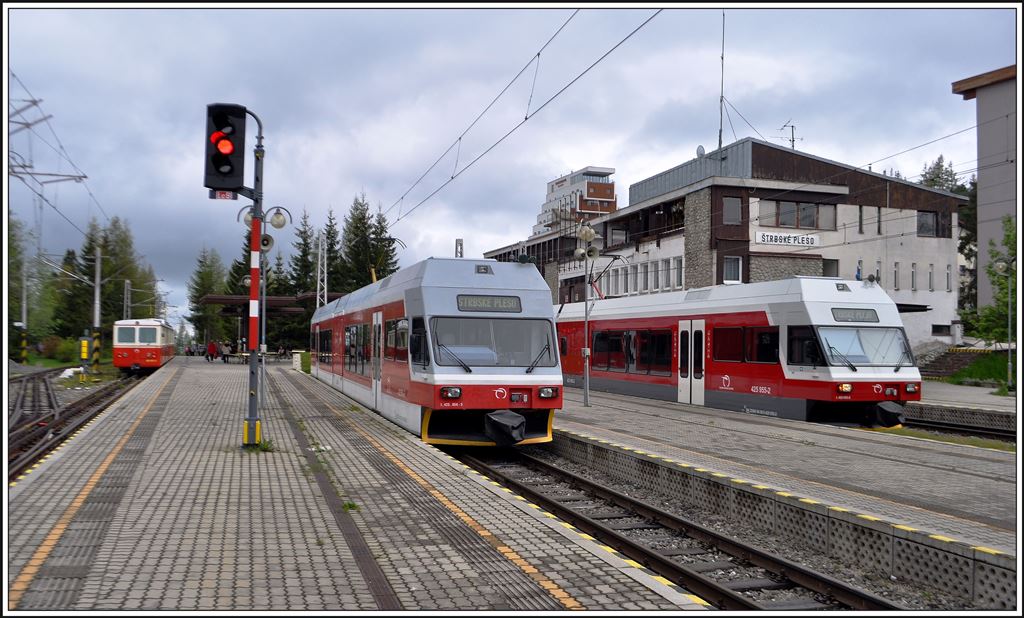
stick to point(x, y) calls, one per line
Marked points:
point(458, 140)
point(521, 123)
point(43, 197)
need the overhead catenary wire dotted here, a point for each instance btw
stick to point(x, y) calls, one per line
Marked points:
point(458, 140)
point(522, 122)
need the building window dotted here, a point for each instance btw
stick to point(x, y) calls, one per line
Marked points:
point(808, 215)
point(860, 219)
point(636, 278)
point(732, 269)
point(732, 211)
point(625, 281)
point(949, 277)
point(926, 223)
point(895, 275)
point(787, 214)
point(830, 268)
point(878, 270)
point(942, 330)
point(654, 277)
point(679, 272)
point(931, 277)
point(666, 267)
point(913, 276)
point(879, 222)
point(766, 213)
point(827, 216)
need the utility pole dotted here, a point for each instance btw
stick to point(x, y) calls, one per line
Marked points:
point(792, 133)
point(96, 310)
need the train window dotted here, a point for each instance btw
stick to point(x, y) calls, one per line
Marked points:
point(389, 339)
point(147, 334)
point(803, 348)
point(698, 354)
point(684, 354)
point(763, 344)
point(660, 343)
point(599, 354)
point(563, 345)
point(643, 352)
point(728, 344)
point(418, 343)
point(401, 340)
point(619, 350)
point(493, 342)
point(324, 351)
point(126, 334)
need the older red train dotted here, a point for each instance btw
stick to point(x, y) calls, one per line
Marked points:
point(142, 345)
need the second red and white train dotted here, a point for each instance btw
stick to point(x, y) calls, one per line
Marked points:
point(806, 348)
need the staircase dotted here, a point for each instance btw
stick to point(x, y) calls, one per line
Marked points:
point(947, 363)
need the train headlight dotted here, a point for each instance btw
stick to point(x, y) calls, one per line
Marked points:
point(548, 392)
point(845, 388)
point(451, 392)
point(911, 388)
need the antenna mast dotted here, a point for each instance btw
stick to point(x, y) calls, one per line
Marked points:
point(792, 134)
point(721, 97)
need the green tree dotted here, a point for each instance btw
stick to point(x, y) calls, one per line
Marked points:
point(207, 278)
point(16, 267)
point(940, 175)
point(302, 265)
point(357, 245)
point(336, 267)
point(992, 320)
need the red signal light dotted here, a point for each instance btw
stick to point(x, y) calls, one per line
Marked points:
point(225, 146)
point(217, 136)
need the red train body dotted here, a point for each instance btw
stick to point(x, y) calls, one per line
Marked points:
point(805, 348)
point(143, 344)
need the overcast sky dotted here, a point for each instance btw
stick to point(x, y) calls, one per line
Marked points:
point(365, 100)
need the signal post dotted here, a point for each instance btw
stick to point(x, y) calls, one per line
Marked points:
point(225, 167)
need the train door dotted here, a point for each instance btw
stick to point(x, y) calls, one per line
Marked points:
point(376, 350)
point(691, 362)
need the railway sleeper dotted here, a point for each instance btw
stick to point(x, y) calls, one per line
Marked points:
point(756, 583)
point(716, 565)
point(796, 604)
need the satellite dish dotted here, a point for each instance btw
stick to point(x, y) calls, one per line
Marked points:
point(700, 151)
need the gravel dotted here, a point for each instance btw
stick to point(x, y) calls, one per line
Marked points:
point(911, 595)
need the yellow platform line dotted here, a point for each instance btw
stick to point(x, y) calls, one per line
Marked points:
point(510, 554)
point(28, 573)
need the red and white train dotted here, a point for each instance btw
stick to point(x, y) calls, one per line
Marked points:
point(806, 348)
point(455, 351)
point(142, 345)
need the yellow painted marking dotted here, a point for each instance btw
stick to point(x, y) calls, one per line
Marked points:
point(567, 525)
point(868, 517)
point(24, 579)
point(719, 474)
point(902, 527)
point(608, 549)
point(809, 501)
point(988, 550)
point(563, 597)
point(697, 599)
point(939, 537)
point(838, 508)
point(740, 481)
point(659, 578)
point(587, 537)
point(634, 563)
point(761, 487)
point(784, 494)
point(700, 469)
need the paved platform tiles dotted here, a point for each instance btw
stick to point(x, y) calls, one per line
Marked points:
point(154, 506)
point(961, 492)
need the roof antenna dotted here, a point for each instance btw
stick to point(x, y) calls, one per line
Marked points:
point(792, 135)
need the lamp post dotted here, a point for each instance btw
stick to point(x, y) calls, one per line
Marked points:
point(1006, 268)
point(587, 235)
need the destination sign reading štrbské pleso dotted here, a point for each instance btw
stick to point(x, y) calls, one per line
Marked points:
point(854, 315)
point(476, 302)
point(787, 240)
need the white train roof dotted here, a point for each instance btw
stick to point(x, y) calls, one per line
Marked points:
point(143, 322)
point(764, 296)
point(438, 273)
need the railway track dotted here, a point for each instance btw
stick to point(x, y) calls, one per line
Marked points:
point(723, 571)
point(963, 429)
point(33, 431)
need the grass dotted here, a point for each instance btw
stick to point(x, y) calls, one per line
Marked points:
point(985, 367)
point(265, 446)
point(999, 445)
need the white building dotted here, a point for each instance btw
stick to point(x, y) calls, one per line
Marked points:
point(755, 211)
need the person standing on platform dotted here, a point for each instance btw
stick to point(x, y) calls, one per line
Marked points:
point(211, 352)
point(225, 351)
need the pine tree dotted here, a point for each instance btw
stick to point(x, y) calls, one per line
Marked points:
point(336, 267)
point(207, 278)
point(383, 247)
point(940, 175)
point(302, 265)
point(357, 245)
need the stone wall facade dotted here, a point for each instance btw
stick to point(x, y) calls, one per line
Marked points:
point(772, 268)
point(699, 259)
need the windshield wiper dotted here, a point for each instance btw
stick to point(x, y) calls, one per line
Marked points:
point(899, 363)
point(533, 365)
point(456, 357)
point(832, 349)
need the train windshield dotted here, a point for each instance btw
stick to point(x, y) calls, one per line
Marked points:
point(493, 342)
point(865, 345)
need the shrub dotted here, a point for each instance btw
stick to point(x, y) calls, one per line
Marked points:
point(305, 362)
point(50, 346)
point(67, 351)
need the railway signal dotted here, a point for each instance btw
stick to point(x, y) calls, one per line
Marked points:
point(225, 147)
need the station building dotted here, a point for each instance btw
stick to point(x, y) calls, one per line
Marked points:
point(754, 211)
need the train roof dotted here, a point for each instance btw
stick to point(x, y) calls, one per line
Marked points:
point(735, 298)
point(143, 322)
point(440, 273)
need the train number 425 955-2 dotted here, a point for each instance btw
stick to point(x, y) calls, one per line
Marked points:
point(761, 390)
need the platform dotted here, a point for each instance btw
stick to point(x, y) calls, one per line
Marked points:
point(154, 506)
